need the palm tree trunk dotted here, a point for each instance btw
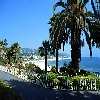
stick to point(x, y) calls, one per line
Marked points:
point(45, 60)
point(19, 69)
point(75, 48)
point(9, 60)
point(56, 60)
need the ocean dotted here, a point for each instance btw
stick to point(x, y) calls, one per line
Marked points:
point(87, 63)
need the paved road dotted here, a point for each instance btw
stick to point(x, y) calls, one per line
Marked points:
point(6, 76)
point(30, 91)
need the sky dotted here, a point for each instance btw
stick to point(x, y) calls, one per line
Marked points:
point(26, 22)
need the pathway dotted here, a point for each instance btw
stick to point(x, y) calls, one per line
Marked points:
point(30, 91)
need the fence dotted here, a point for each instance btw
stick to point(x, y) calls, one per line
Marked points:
point(75, 85)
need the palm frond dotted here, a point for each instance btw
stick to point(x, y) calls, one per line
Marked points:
point(94, 9)
point(60, 3)
point(88, 41)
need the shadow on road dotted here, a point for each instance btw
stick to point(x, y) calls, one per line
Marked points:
point(30, 91)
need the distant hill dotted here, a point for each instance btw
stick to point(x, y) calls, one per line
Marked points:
point(26, 51)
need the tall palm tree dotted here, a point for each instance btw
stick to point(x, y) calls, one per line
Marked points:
point(43, 51)
point(68, 25)
point(54, 51)
point(57, 60)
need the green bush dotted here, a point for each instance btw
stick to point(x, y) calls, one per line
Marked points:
point(51, 75)
point(85, 73)
point(53, 69)
point(2, 61)
point(68, 70)
point(79, 82)
point(63, 69)
point(32, 68)
point(56, 81)
point(7, 93)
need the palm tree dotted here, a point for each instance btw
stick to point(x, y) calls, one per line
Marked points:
point(54, 50)
point(96, 8)
point(94, 28)
point(43, 51)
point(94, 23)
point(67, 26)
point(57, 60)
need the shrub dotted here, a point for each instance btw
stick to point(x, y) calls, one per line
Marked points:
point(7, 93)
point(33, 72)
point(32, 68)
point(68, 70)
point(84, 72)
point(2, 61)
point(51, 76)
point(53, 69)
point(63, 70)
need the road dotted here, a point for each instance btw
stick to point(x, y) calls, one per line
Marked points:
point(29, 91)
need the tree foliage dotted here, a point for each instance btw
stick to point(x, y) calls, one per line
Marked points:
point(69, 24)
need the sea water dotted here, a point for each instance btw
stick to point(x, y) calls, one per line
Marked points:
point(87, 63)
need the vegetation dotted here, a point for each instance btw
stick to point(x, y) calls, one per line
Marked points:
point(53, 69)
point(32, 71)
point(7, 92)
point(88, 81)
point(13, 53)
point(44, 50)
point(68, 25)
point(10, 55)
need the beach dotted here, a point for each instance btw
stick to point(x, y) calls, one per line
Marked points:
point(92, 65)
point(40, 64)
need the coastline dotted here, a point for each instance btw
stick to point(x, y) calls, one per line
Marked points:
point(41, 63)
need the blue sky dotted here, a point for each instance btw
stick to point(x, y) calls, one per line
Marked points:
point(26, 21)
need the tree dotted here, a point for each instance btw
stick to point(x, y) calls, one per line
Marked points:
point(43, 51)
point(3, 46)
point(67, 26)
point(57, 59)
point(94, 24)
point(96, 8)
point(15, 49)
point(13, 53)
point(94, 28)
point(19, 64)
point(54, 50)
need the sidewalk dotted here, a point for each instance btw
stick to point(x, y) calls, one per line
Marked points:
point(14, 71)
